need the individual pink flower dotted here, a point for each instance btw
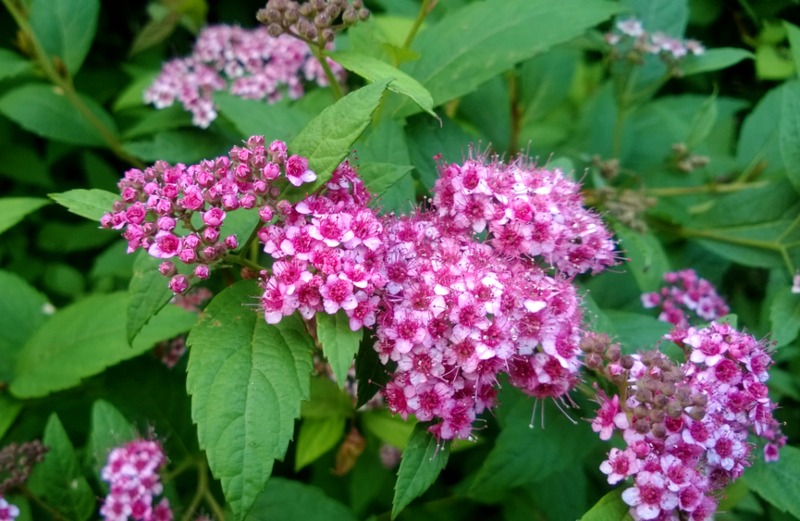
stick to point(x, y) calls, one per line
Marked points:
point(8, 512)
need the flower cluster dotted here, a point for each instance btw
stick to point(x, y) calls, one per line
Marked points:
point(17, 461)
point(686, 292)
point(313, 21)
point(179, 211)
point(132, 476)
point(8, 512)
point(686, 426)
point(631, 41)
point(327, 250)
point(248, 62)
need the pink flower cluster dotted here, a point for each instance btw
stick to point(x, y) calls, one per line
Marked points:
point(657, 43)
point(526, 211)
point(248, 62)
point(8, 512)
point(456, 313)
point(178, 211)
point(686, 292)
point(132, 475)
point(328, 253)
point(686, 427)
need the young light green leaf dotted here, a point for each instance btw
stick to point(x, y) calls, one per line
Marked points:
point(326, 140)
point(46, 112)
point(316, 437)
point(423, 459)
point(288, 500)
point(247, 380)
point(778, 482)
point(389, 428)
point(609, 508)
point(12, 64)
point(92, 204)
point(110, 429)
point(254, 117)
point(65, 29)
point(14, 209)
point(784, 315)
point(375, 70)
point(148, 292)
point(465, 49)
point(327, 400)
point(713, 60)
point(83, 339)
point(789, 135)
point(793, 34)
point(339, 342)
point(58, 479)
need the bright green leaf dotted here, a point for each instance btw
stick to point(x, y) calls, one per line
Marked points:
point(793, 33)
point(12, 64)
point(286, 500)
point(282, 120)
point(316, 437)
point(392, 185)
point(9, 410)
point(327, 400)
point(423, 459)
point(789, 131)
point(43, 110)
point(389, 428)
point(702, 123)
point(179, 146)
point(58, 479)
point(14, 209)
point(247, 379)
point(339, 342)
point(148, 291)
point(92, 204)
point(110, 429)
point(758, 148)
point(636, 331)
point(669, 16)
point(327, 139)
point(772, 63)
point(784, 315)
point(65, 237)
point(713, 60)
point(65, 29)
point(778, 482)
point(647, 260)
point(22, 311)
point(609, 508)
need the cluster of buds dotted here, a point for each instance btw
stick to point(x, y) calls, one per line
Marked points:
point(17, 461)
point(686, 294)
point(249, 63)
point(685, 161)
point(313, 21)
point(178, 212)
point(627, 206)
point(685, 426)
point(630, 41)
point(132, 474)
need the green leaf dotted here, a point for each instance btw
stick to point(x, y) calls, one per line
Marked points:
point(92, 204)
point(247, 380)
point(669, 16)
point(465, 49)
point(423, 459)
point(58, 479)
point(41, 109)
point(784, 315)
point(316, 437)
point(327, 400)
point(281, 120)
point(154, 32)
point(426, 140)
point(339, 342)
point(327, 139)
point(179, 146)
point(375, 70)
point(9, 410)
point(778, 482)
point(148, 292)
point(755, 245)
point(758, 148)
point(12, 64)
point(389, 428)
point(391, 184)
point(286, 500)
point(22, 311)
point(789, 131)
point(65, 237)
point(636, 331)
point(713, 60)
point(702, 123)
point(647, 260)
point(65, 28)
point(83, 339)
point(110, 429)
point(609, 508)
point(14, 209)
point(793, 34)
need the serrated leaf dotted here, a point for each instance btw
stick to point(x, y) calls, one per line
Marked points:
point(14, 209)
point(58, 479)
point(784, 315)
point(327, 139)
point(92, 204)
point(83, 339)
point(423, 459)
point(316, 437)
point(41, 109)
point(648, 261)
point(789, 131)
point(375, 70)
point(65, 29)
point(609, 508)
point(282, 120)
point(110, 429)
point(713, 60)
point(778, 482)
point(148, 292)
point(339, 342)
point(468, 47)
point(12, 64)
point(247, 380)
point(22, 311)
point(286, 500)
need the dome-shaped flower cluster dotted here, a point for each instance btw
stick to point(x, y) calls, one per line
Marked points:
point(684, 295)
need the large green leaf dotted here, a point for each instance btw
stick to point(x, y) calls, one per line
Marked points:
point(758, 148)
point(58, 479)
point(327, 139)
point(148, 291)
point(714, 59)
point(465, 49)
point(22, 311)
point(316, 437)
point(647, 259)
point(9, 410)
point(609, 508)
point(83, 339)
point(14, 209)
point(92, 204)
point(247, 380)
point(423, 459)
point(339, 342)
point(286, 500)
point(281, 120)
point(778, 482)
point(789, 131)
point(784, 315)
point(43, 110)
point(391, 184)
point(179, 146)
point(65, 29)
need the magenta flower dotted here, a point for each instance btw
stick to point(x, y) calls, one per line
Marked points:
point(8, 512)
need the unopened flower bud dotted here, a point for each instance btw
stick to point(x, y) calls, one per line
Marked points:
point(697, 413)
point(640, 411)
point(660, 401)
point(274, 30)
point(167, 269)
point(659, 430)
point(363, 14)
point(644, 395)
point(700, 399)
point(643, 426)
point(593, 361)
point(626, 361)
point(674, 410)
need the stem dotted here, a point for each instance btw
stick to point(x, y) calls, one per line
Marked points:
point(424, 9)
point(64, 83)
point(703, 189)
point(243, 261)
point(319, 54)
point(765, 245)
